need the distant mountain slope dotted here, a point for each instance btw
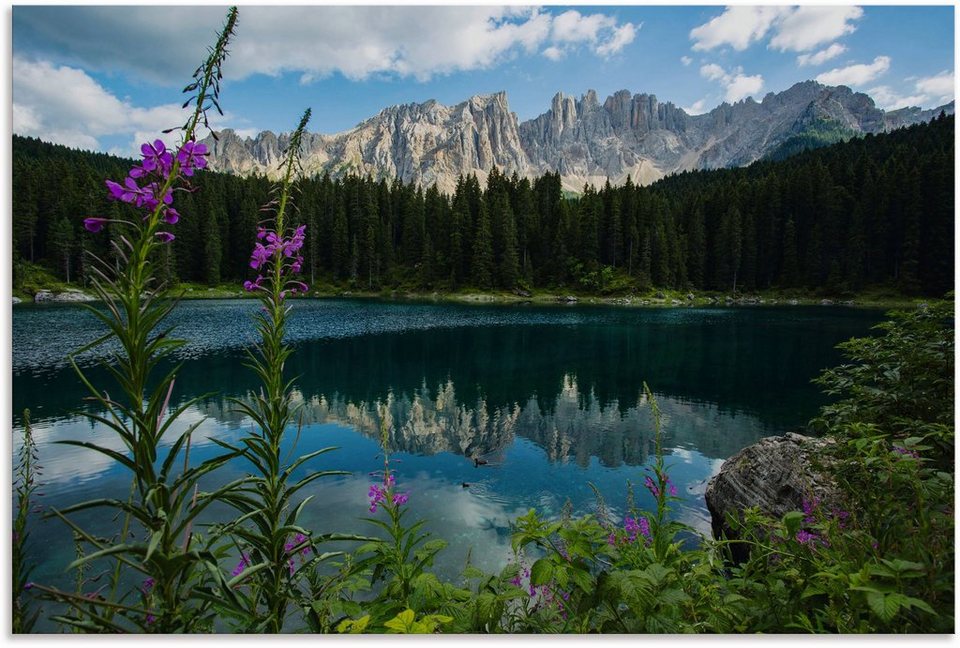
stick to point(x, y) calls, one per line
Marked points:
point(582, 139)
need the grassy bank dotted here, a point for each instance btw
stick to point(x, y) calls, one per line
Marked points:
point(32, 278)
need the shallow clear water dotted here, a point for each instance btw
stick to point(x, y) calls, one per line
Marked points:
point(550, 397)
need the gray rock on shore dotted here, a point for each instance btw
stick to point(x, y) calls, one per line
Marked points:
point(71, 295)
point(775, 474)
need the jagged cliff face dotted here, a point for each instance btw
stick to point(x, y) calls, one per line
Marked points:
point(627, 135)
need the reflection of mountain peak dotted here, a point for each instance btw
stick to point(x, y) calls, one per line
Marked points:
point(575, 425)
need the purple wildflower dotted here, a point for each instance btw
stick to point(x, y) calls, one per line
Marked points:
point(165, 237)
point(191, 156)
point(94, 223)
point(377, 495)
point(651, 486)
point(171, 216)
point(401, 498)
point(150, 618)
point(809, 507)
point(127, 192)
point(635, 527)
point(906, 452)
point(807, 538)
point(156, 158)
point(243, 564)
point(28, 586)
point(612, 539)
point(148, 584)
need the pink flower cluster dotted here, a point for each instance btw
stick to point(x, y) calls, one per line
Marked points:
point(380, 495)
point(277, 248)
point(155, 169)
point(655, 490)
point(633, 528)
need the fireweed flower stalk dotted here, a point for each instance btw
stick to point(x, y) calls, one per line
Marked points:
point(157, 544)
point(402, 556)
point(269, 535)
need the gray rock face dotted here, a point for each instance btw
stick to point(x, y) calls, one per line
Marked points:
point(775, 474)
point(68, 296)
point(627, 136)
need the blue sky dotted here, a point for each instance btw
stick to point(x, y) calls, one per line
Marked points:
point(105, 78)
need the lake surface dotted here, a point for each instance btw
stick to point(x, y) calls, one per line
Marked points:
point(550, 397)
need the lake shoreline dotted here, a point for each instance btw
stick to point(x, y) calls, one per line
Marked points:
point(653, 298)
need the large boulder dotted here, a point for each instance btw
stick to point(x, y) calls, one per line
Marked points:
point(775, 474)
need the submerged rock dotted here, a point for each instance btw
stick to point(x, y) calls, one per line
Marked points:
point(775, 474)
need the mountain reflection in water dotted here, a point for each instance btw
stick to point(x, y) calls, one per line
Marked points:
point(572, 426)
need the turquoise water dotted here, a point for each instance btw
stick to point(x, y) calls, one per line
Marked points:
point(550, 397)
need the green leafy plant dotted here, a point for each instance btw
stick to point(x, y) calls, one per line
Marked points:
point(165, 500)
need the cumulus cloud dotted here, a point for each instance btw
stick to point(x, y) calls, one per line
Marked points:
point(696, 108)
point(686, 60)
point(554, 53)
point(794, 29)
point(712, 72)
point(803, 28)
point(821, 57)
point(65, 105)
point(737, 26)
point(356, 41)
point(938, 87)
point(857, 74)
point(622, 36)
point(928, 92)
point(736, 84)
point(888, 99)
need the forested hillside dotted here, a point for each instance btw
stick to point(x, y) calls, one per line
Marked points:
point(877, 210)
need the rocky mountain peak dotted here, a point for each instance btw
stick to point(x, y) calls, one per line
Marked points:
point(628, 135)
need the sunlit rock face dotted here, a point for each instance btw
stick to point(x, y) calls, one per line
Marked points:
point(633, 136)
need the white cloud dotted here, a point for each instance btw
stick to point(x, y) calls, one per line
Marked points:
point(622, 36)
point(696, 108)
point(712, 72)
point(929, 92)
point(743, 86)
point(686, 60)
point(573, 27)
point(356, 41)
point(886, 98)
point(736, 84)
point(856, 74)
point(821, 57)
point(554, 53)
point(737, 26)
point(938, 87)
point(803, 28)
point(794, 28)
point(64, 105)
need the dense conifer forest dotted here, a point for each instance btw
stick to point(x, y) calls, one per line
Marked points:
point(873, 211)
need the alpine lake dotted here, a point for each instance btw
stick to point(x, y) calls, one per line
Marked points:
point(492, 410)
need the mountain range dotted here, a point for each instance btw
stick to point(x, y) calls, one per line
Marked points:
point(628, 135)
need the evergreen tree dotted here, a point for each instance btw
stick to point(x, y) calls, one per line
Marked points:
point(482, 266)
